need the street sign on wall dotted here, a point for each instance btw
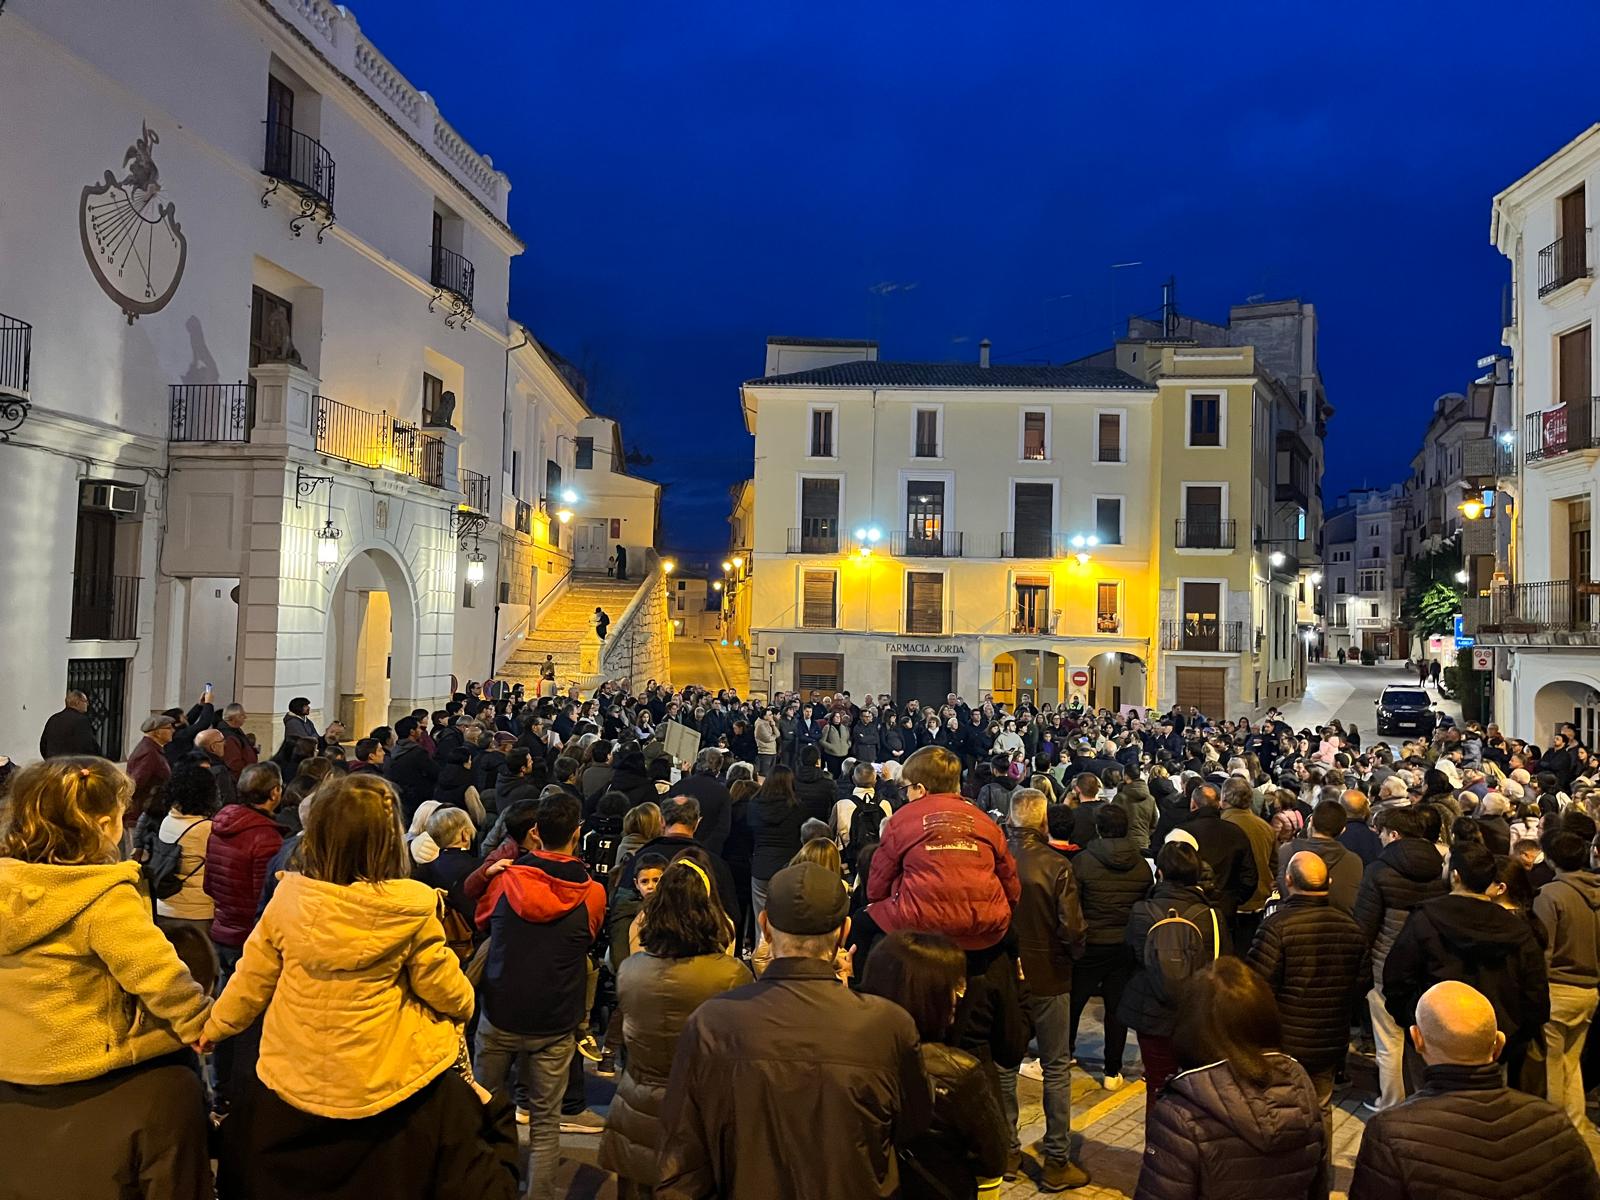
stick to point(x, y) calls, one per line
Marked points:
point(1080, 678)
point(1483, 658)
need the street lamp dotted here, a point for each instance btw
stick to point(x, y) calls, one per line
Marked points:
point(716, 585)
point(737, 563)
point(1462, 576)
point(475, 567)
point(668, 565)
point(569, 496)
point(564, 515)
point(328, 544)
point(1471, 508)
point(1316, 578)
point(1276, 558)
point(726, 566)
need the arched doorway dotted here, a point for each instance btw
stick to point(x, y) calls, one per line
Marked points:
point(1031, 676)
point(1565, 702)
point(1116, 681)
point(371, 643)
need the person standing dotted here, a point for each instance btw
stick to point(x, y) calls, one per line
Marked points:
point(1468, 936)
point(1241, 1119)
point(1239, 800)
point(1049, 930)
point(1225, 850)
point(1465, 1133)
point(601, 622)
point(1569, 909)
point(543, 913)
point(1311, 956)
point(775, 817)
point(410, 767)
point(1113, 876)
point(70, 731)
point(237, 749)
point(1345, 868)
point(681, 964)
point(794, 1085)
point(622, 562)
point(148, 765)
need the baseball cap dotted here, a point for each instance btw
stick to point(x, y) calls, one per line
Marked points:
point(807, 899)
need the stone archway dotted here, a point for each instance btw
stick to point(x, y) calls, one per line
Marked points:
point(1117, 680)
point(1564, 702)
point(370, 675)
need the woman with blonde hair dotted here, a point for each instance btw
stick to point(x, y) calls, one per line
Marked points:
point(364, 1003)
point(97, 1085)
point(640, 824)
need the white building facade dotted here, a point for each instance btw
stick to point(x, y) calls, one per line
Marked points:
point(251, 305)
point(1542, 612)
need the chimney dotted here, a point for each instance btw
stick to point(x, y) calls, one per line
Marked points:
point(983, 352)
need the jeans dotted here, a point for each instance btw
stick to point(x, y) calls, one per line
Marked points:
point(1051, 1020)
point(758, 905)
point(1323, 1082)
point(1103, 971)
point(547, 1059)
point(1388, 1041)
point(1571, 1011)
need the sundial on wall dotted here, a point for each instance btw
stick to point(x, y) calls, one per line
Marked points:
point(131, 235)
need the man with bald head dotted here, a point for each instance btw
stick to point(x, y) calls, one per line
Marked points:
point(1464, 1134)
point(1313, 957)
point(1358, 837)
point(208, 747)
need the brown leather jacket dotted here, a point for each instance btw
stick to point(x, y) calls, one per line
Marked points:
point(1048, 920)
point(790, 1088)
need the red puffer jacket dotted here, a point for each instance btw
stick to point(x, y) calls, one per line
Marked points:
point(242, 843)
point(943, 867)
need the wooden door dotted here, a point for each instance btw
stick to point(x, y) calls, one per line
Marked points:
point(1204, 688)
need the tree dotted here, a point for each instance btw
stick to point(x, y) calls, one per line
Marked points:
point(1437, 609)
point(1432, 597)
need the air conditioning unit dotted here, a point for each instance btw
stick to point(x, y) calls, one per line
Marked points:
point(109, 497)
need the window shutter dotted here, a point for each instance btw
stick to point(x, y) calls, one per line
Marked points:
point(818, 600)
point(1110, 438)
point(1033, 503)
point(924, 602)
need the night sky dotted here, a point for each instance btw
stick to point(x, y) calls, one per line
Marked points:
point(690, 178)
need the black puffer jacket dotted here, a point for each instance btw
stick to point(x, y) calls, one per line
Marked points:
point(1407, 873)
point(1467, 1136)
point(968, 1138)
point(1479, 943)
point(1112, 877)
point(817, 791)
point(1313, 957)
point(1212, 1136)
point(1141, 1009)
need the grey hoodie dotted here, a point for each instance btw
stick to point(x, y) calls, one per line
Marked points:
point(1569, 909)
point(1344, 869)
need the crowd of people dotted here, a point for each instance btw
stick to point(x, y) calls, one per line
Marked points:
point(815, 959)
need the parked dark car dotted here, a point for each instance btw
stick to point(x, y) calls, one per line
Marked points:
point(1405, 709)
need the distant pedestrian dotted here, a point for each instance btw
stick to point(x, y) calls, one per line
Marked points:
point(70, 731)
point(611, 566)
point(601, 622)
point(622, 561)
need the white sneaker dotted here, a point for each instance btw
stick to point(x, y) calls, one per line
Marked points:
point(1112, 1083)
point(1031, 1069)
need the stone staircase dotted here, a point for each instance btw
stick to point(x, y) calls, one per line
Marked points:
point(564, 626)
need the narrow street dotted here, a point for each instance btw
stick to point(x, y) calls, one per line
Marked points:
point(1347, 693)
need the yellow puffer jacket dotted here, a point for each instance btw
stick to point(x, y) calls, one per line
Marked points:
point(88, 984)
point(363, 998)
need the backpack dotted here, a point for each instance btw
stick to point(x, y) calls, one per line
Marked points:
point(161, 868)
point(599, 847)
point(866, 824)
point(1175, 950)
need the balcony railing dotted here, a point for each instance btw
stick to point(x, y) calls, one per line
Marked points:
point(212, 412)
point(452, 273)
point(1217, 637)
point(1043, 624)
point(1557, 606)
point(938, 545)
point(105, 607)
point(820, 537)
point(367, 439)
point(474, 491)
point(1552, 432)
point(299, 160)
point(16, 355)
point(1562, 261)
point(1033, 543)
point(1205, 534)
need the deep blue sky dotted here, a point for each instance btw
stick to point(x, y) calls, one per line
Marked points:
point(690, 178)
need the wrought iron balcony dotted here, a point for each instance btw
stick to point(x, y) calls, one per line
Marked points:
point(948, 544)
point(452, 273)
point(304, 164)
point(1207, 534)
point(1553, 432)
point(475, 491)
point(1209, 636)
point(105, 608)
point(212, 412)
point(1560, 606)
point(1562, 261)
point(16, 354)
point(1033, 543)
point(815, 537)
point(368, 439)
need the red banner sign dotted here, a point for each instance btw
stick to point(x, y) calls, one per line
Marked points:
point(1554, 431)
